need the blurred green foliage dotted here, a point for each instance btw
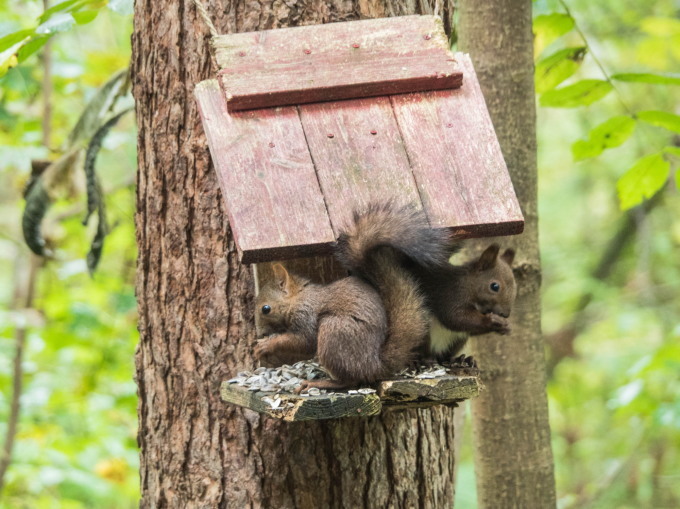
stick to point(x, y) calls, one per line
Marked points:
point(607, 140)
point(611, 279)
point(76, 444)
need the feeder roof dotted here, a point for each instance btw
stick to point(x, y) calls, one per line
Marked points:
point(307, 124)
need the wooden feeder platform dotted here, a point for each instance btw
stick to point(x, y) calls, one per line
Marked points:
point(389, 394)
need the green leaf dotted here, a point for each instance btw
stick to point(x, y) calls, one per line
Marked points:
point(10, 40)
point(549, 27)
point(96, 110)
point(553, 70)
point(66, 6)
point(32, 46)
point(609, 134)
point(41, 193)
point(84, 17)
point(663, 119)
point(18, 46)
point(582, 93)
point(59, 22)
point(78, 11)
point(7, 63)
point(37, 203)
point(8, 58)
point(655, 79)
point(642, 181)
point(95, 200)
point(122, 7)
point(672, 150)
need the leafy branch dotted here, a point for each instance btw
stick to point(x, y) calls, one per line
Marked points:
point(25, 296)
point(597, 61)
point(83, 146)
point(652, 171)
point(17, 46)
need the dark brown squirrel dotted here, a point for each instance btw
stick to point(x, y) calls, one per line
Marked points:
point(366, 326)
point(468, 300)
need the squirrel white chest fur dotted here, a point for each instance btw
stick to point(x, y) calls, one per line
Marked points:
point(444, 341)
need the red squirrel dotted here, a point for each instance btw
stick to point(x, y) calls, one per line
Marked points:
point(366, 326)
point(468, 300)
point(371, 324)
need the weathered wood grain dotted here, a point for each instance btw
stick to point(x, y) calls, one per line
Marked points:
point(291, 177)
point(359, 156)
point(441, 389)
point(335, 61)
point(457, 161)
point(304, 408)
point(276, 209)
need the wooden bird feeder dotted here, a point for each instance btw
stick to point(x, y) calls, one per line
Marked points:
point(307, 124)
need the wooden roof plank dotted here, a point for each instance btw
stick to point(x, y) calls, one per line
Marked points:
point(457, 160)
point(359, 156)
point(276, 209)
point(335, 61)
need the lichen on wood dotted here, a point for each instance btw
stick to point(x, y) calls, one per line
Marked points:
point(397, 393)
point(293, 407)
point(438, 390)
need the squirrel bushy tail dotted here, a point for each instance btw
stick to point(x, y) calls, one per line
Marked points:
point(373, 248)
point(401, 228)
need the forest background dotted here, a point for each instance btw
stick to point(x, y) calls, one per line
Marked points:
point(609, 211)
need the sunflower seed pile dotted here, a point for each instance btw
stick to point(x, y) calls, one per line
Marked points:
point(285, 379)
point(282, 379)
point(364, 390)
point(432, 371)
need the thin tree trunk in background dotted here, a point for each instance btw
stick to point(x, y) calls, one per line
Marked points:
point(195, 307)
point(24, 294)
point(513, 459)
point(46, 58)
point(25, 286)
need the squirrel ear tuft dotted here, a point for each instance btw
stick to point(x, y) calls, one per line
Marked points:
point(281, 277)
point(508, 256)
point(487, 260)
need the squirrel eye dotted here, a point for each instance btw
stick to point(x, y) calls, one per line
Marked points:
point(495, 287)
point(266, 309)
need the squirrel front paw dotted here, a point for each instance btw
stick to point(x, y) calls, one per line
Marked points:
point(464, 361)
point(263, 348)
point(303, 385)
point(463, 365)
point(499, 324)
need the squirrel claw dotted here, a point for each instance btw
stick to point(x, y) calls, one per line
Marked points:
point(464, 361)
point(499, 324)
point(262, 349)
point(304, 385)
point(464, 365)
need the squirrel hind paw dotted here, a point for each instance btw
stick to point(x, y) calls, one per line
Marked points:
point(464, 365)
point(321, 384)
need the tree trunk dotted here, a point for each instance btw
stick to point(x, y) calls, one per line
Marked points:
point(196, 317)
point(513, 459)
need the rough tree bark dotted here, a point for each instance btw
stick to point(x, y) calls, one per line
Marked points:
point(195, 307)
point(513, 458)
